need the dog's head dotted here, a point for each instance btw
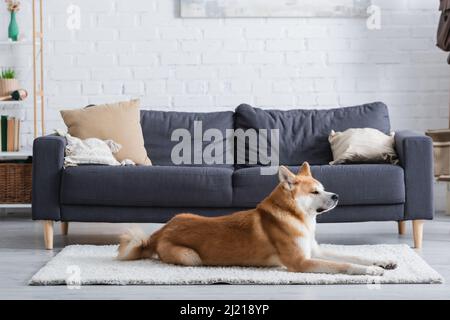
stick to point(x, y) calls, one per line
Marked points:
point(308, 193)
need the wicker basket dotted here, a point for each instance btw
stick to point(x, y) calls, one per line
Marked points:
point(441, 144)
point(15, 183)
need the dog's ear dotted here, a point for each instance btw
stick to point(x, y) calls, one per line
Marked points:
point(305, 170)
point(287, 178)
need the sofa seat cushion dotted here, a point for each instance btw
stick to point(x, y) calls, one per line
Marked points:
point(366, 184)
point(155, 186)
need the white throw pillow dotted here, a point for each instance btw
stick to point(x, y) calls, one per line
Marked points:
point(91, 151)
point(365, 145)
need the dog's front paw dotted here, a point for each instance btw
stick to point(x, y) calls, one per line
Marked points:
point(374, 271)
point(387, 264)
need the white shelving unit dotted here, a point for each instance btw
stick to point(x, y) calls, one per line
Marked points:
point(11, 156)
point(37, 92)
point(15, 43)
point(15, 206)
point(22, 154)
point(5, 208)
point(37, 42)
point(19, 155)
point(12, 103)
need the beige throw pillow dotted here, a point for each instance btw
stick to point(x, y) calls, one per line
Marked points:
point(362, 145)
point(119, 122)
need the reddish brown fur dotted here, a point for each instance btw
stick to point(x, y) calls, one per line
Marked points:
point(264, 236)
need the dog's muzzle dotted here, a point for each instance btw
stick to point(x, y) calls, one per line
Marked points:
point(332, 204)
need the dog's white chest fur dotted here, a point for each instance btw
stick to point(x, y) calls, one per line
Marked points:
point(305, 246)
point(307, 241)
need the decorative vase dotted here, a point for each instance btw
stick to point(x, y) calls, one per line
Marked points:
point(13, 29)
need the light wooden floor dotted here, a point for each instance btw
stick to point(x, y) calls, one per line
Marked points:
point(22, 254)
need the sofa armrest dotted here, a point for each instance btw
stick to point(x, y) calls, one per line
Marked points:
point(48, 161)
point(415, 152)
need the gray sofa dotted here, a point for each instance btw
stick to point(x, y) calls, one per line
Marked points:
point(368, 192)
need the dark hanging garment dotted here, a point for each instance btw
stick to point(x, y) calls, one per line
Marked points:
point(443, 34)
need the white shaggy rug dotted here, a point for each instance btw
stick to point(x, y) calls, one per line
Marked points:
point(96, 265)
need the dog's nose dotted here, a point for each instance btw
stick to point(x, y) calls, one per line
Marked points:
point(334, 197)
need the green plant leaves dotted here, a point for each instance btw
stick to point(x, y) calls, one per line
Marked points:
point(8, 74)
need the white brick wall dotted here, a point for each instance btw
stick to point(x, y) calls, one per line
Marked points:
point(141, 48)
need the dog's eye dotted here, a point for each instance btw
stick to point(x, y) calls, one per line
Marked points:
point(315, 192)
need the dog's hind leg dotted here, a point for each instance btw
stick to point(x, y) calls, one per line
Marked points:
point(174, 254)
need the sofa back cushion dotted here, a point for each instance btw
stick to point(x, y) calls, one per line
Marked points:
point(303, 134)
point(158, 127)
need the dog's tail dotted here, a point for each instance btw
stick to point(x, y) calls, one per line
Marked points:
point(135, 245)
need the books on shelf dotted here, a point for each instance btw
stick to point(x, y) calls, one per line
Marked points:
point(9, 134)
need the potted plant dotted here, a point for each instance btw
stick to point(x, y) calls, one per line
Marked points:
point(8, 82)
point(13, 29)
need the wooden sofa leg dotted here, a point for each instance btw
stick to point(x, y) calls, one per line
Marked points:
point(48, 234)
point(401, 227)
point(418, 233)
point(64, 228)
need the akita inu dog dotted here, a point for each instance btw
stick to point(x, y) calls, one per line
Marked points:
point(279, 232)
